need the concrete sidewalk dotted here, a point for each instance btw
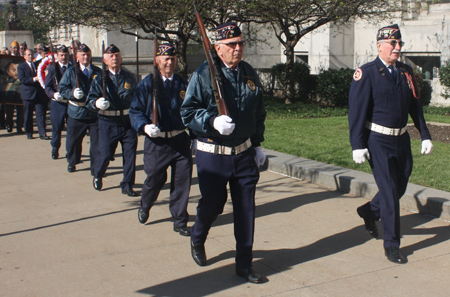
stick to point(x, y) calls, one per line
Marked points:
point(60, 237)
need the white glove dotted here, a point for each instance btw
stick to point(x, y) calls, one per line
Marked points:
point(427, 147)
point(78, 93)
point(260, 158)
point(224, 124)
point(151, 130)
point(359, 156)
point(101, 103)
point(194, 146)
point(58, 96)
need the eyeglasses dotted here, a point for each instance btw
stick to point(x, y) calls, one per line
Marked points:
point(233, 44)
point(394, 43)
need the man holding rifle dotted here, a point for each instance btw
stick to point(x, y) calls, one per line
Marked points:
point(112, 102)
point(58, 105)
point(74, 86)
point(228, 146)
point(166, 142)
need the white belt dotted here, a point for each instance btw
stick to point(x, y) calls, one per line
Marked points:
point(114, 113)
point(77, 103)
point(385, 130)
point(170, 134)
point(223, 150)
point(61, 101)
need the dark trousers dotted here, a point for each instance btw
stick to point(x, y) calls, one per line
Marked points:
point(76, 130)
point(58, 112)
point(2, 115)
point(159, 154)
point(242, 175)
point(391, 162)
point(109, 137)
point(39, 105)
point(9, 110)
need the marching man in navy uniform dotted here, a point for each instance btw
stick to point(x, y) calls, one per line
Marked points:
point(80, 118)
point(382, 94)
point(167, 143)
point(114, 120)
point(228, 147)
point(58, 105)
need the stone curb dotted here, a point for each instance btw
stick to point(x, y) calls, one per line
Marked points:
point(417, 198)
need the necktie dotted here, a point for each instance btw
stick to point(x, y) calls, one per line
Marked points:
point(86, 72)
point(393, 72)
point(168, 87)
point(33, 67)
point(63, 69)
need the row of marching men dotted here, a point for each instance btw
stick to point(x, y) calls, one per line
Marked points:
point(116, 109)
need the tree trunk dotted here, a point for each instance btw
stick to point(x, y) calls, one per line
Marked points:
point(182, 59)
point(290, 88)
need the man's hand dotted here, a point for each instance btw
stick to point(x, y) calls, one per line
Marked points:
point(58, 96)
point(78, 93)
point(260, 158)
point(194, 146)
point(359, 156)
point(101, 103)
point(224, 124)
point(427, 147)
point(151, 130)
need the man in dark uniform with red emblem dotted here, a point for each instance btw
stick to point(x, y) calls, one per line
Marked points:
point(114, 120)
point(382, 94)
point(166, 142)
point(228, 147)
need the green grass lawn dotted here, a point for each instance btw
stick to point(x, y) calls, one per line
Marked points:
point(326, 140)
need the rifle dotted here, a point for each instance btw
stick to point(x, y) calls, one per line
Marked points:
point(156, 79)
point(214, 67)
point(104, 71)
point(56, 68)
point(76, 67)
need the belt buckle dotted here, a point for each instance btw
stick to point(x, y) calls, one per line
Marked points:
point(233, 150)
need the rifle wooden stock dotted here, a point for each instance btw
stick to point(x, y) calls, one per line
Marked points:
point(104, 72)
point(56, 68)
point(214, 67)
point(155, 93)
point(76, 67)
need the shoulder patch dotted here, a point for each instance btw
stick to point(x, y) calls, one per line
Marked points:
point(358, 74)
point(183, 94)
point(93, 77)
point(251, 85)
point(127, 86)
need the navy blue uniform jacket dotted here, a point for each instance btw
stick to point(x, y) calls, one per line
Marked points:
point(376, 98)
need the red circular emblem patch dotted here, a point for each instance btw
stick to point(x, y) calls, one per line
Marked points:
point(358, 74)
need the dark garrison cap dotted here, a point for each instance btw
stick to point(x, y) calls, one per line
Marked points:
point(166, 49)
point(63, 49)
point(24, 44)
point(84, 48)
point(227, 30)
point(389, 32)
point(112, 49)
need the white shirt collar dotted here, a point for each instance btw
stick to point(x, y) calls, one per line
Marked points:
point(165, 78)
point(387, 65)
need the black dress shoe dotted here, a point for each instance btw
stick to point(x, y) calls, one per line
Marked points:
point(394, 255)
point(130, 193)
point(71, 168)
point(44, 137)
point(97, 183)
point(55, 154)
point(369, 222)
point(185, 231)
point(29, 136)
point(198, 253)
point(20, 131)
point(250, 275)
point(142, 216)
point(8, 129)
